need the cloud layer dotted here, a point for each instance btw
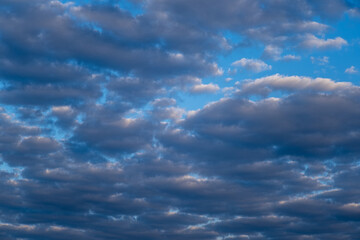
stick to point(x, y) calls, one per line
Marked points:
point(102, 136)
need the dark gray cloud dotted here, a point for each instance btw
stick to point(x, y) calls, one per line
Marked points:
point(319, 125)
point(118, 135)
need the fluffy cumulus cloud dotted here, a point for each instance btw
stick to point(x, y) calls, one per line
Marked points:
point(205, 88)
point(312, 41)
point(117, 120)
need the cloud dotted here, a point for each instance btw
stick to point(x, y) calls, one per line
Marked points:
point(291, 57)
point(113, 134)
point(265, 85)
point(303, 129)
point(354, 12)
point(311, 41)
point(274, 52)
point(264, 21)
point(225, 129)
point(48, 94)
point(204, 88)
point(65, 115)
point(254, 65)
point(320, 60)
point(351, 70)
point(97, 140)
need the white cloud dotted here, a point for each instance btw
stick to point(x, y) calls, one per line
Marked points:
point(254, 65)
point(272, 52)
point(205, 88)
point(351, 70)
point(217, 71)
point(312, 41)
point(311, 26)
point(275, 82)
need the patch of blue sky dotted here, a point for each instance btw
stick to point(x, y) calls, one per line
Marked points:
point(6, 168)
point(303, 67)
point(12, 111)
point(87, 25)
point(330, 163)
point(12, 170)
point(131, 7)
point(58, 134)
point(115, 159)
point(347, 28)
point(198, 176)
point(80, 118)
point(190, 101)
point(232, 37)
point(104, 94)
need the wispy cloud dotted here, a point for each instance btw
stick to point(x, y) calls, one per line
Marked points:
point(351, 70)
point(254, 65)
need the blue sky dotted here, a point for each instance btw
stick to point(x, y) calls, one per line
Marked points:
point(166, 120)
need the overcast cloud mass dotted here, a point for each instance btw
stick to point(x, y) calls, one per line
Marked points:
point(179, 119)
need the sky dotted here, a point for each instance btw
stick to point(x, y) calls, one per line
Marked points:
point(179, 119)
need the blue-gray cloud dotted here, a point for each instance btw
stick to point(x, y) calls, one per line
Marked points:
point(94, 143)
